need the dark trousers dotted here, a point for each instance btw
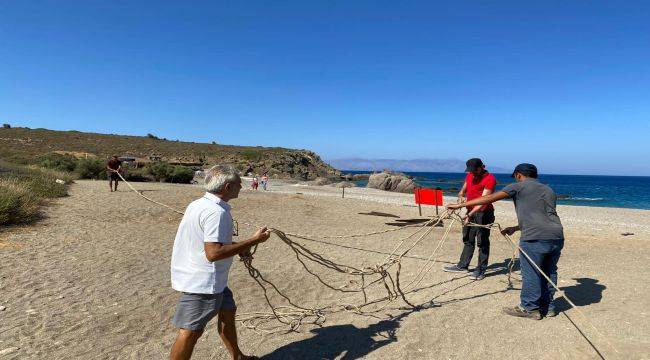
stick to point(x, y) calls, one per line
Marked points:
point(473, 235)
point(536, 292)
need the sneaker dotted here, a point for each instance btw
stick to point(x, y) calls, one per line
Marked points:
point(454, 269)
point(477, 275)
point(518, 311)
point(550, 313)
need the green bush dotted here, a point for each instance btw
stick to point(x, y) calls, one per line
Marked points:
point(163, 171)
point(159, 170)
point(58, 162)
point(182, 175)
point(136, 175)
point(17, 203)
point(45, 187)
point(91, 168)
point(22, 190)
point(67, 177)
point(40, 182)
point(252, 155)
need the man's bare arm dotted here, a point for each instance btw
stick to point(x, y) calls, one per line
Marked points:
point(461, 193)
point(480, 207)
point(499, 195)
point(217, 251)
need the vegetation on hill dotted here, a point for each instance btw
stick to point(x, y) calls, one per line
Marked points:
point(32, 160)
point(24, 189)
point(94, 168)
point(32, 146)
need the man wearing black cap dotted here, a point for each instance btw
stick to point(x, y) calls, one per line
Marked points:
point(478, 182)
point(542, 238)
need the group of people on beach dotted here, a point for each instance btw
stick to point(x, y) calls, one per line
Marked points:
point(542, 234)
point(264, 181)
point(203, 249)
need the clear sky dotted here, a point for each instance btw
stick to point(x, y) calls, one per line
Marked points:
point(562, 84)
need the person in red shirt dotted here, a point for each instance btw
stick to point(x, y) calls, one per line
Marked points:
point(478, 182)
point(113, 166)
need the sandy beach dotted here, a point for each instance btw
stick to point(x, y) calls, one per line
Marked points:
point(91, 281)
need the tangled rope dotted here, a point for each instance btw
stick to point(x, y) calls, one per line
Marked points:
point(294, 315)
point(386, 274)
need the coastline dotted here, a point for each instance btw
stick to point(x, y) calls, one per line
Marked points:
point(592, 220)
point(582, 190)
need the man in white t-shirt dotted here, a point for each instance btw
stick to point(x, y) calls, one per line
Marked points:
point(201, 259)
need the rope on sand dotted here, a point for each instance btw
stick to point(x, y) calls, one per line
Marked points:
point(294, 315)
point(546, 277)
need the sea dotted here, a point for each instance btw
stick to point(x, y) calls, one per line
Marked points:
point(632, 192)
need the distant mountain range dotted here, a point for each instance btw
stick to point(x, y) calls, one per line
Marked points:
point(415, 165)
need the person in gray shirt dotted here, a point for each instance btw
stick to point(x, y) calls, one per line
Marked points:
point(542, 238)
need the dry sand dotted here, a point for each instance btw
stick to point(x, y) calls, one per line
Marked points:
point(92, 281)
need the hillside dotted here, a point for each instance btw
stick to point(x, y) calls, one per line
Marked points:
point(24, 146)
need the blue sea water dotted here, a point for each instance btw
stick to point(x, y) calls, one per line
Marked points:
point(631, 192)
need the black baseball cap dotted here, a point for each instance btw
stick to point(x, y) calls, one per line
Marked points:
point(473, 164)
point(528, 170)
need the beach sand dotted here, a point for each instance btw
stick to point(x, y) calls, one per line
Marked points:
point(92, 281)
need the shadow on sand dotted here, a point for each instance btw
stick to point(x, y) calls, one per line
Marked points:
point(586, 292)
point(502, 268)
point(345, 342)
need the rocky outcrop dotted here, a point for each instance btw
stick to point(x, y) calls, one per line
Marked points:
point(294, 164)
point(389, 181)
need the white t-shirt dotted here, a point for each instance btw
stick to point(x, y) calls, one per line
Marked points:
point(206, 219)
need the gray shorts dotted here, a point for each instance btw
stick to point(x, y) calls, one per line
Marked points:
point(194, 311)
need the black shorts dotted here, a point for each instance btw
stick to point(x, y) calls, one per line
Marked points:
point(113, 176)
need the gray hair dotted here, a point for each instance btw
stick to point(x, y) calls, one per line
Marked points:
point(218, 176)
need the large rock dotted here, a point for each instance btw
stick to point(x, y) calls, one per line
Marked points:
point(391, 182)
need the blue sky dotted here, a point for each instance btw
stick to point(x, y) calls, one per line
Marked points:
point(564, 85)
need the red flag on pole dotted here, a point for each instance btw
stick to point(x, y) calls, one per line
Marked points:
point(424, 196)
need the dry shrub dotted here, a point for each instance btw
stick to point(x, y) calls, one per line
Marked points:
point(17, 203)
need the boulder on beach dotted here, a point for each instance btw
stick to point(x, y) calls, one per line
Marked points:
point(390, 181)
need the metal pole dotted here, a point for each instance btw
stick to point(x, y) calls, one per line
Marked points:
point(438, 215)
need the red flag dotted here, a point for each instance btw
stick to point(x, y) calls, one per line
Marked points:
point(426, 196)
